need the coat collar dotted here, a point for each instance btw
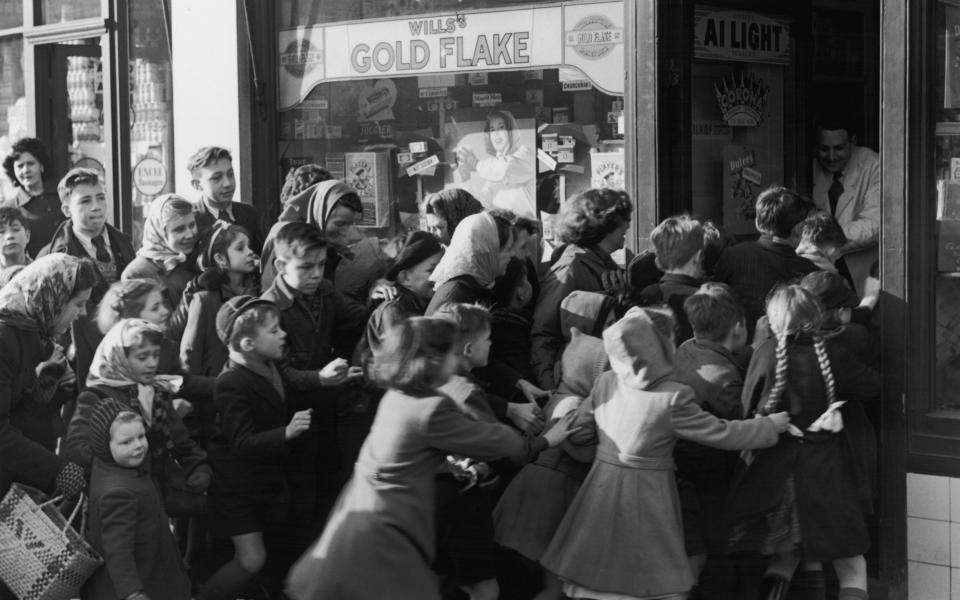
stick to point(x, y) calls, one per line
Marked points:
point(285, 297)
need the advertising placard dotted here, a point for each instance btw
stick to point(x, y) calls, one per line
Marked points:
point(741, 36)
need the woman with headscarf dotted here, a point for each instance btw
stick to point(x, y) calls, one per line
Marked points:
point(38, 306)
point(26, 167)
point(168, 253)
point(334, 207)
point(478, 253)
point(442, 211)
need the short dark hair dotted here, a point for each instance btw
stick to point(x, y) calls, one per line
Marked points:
point(74, 178)
point(206, 156)
point(591, 215)
point(27, 144)
point(351, 201)
point(302, 177)
point(821, 229)
point(297, 238)
point(246, 323)
point(471, 319)
point(779, 210)
point(531, 226)
point(834, 121)
point(504, 229)
point(713, 310)
point(677, 240)
point(412, 355)
point(10, 215)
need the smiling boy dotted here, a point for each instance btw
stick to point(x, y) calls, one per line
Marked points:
point(86, 234)
point(211, 174)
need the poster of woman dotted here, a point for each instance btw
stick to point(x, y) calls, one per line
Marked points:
point(495, 156)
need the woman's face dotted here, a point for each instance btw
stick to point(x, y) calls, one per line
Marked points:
point(339, 222)
point(143, 361)
point(181, 233)
point(618, 236)
point(155, 309)
point(504, 255)
point(75, 308)
point(240, 257)
point(28, 170)
point(437, 225)
point(499, 134)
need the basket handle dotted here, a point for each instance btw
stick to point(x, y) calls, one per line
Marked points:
point(81, 503)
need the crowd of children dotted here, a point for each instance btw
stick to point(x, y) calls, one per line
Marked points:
point(695, 429)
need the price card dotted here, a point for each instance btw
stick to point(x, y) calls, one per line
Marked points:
point(424, 165)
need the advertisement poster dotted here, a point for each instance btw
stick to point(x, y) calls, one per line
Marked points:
point(606, 170)
point(494, 151)
point(587, 36)
point(369, 174)
point(742, 182)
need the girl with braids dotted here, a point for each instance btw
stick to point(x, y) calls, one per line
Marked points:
point(798, 500)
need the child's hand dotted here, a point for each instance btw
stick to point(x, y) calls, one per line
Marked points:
point(299, 423)
point(335, 372)
point(613, 280)
point(561, 430)
point(199, 481)
point(781, 420)
point(383, 290)
point(182, 407)
point(531, 392)
point(526, 417)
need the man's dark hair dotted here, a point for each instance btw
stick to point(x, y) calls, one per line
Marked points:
point(779, 210)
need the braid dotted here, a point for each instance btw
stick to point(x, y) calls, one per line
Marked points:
point(825, 369)
point(780, 381)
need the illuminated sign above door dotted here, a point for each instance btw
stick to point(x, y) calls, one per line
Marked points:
point(588, 36)
point(740, 36)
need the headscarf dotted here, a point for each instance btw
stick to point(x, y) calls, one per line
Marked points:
point(315, 204)
point(36, 296)
point(155, 246)
point(474, 250)
point(639, 354)
point(111, 367)
point(456, 204)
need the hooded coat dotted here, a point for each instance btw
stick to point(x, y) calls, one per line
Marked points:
point(636, 412)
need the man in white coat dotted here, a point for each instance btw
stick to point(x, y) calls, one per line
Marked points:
point(846, 184)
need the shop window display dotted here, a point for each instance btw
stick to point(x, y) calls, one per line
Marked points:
point(484, 99)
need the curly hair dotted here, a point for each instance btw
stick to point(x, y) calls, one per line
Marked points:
point(590, 216)
point(124, 299)
point(300, 178)
point(31, 145)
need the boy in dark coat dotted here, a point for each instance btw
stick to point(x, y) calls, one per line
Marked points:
point(250, 450)
point(128, 524)
point(752, 269)
point(211, 174)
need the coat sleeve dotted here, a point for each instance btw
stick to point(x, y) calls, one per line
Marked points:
point(239, 424)
point(691, 422)
point(299, 379)
point(450, 291)
point(448, 429)
point(24, 459)
point(546, 338)
point(187, 452)
point(118, 516)
point(864, 230)
point(193, 340)
point(77, 445)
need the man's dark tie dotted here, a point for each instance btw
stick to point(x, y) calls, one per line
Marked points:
point(103, 255)
point(833, 194)
point(225, 216)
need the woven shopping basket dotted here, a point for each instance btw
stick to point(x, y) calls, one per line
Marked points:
point(41, 556)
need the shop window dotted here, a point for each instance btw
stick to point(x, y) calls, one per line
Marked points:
point(11, 13)
point(151, 109)
point(13, 104)
point(408, 107)
point(61, 11)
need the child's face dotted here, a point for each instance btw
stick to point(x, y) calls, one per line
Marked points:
point(143, 360)
point(75, 308)
point(738, 336)
point(155, 309)
point(305, 273)
point(417, 278)
point(87, 208)
point(268, 343)
point(437, 225)
point(181, 233)
point(216, 181)
point(240, 257)
point(14, 237)
point(477, 351)
point(128, 444)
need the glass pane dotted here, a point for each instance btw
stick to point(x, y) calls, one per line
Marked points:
point(293, 13)
point(13, 106)
point(60, 11)
point(84, 81)
point(11, 13)
point(151, 109)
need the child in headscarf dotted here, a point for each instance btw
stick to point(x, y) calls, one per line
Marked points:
point(167, 254)
point(478, 253)
point(125, 369)
point(128, 524)
point(637, 411)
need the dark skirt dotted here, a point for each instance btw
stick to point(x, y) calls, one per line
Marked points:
point(800, 494)
point(466, 552)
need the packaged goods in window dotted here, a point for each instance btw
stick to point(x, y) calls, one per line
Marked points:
point(369, 174)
